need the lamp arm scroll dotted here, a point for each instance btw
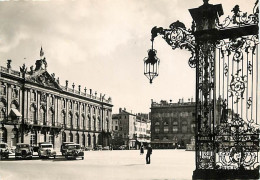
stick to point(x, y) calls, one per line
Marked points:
point(178, 37)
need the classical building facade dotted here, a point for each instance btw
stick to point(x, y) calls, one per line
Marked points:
point(173, 124)
point(35, 107)
point(130, 129)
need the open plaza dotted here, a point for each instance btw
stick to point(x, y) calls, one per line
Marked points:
point(104, 165)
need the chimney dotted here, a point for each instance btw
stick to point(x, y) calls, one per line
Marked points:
point(120, 110)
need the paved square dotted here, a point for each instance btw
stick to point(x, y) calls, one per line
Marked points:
point(104, 165)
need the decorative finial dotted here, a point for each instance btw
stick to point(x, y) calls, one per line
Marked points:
point(79, 87)
point(9, 64)
point(85, 89)
point(41, 52)
point(73, 86)
point(67, 82)
point(206, 2)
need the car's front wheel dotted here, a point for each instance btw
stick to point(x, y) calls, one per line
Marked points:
point(82, 158)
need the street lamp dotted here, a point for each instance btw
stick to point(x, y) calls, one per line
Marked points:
point(226, 60)
point(151, 65)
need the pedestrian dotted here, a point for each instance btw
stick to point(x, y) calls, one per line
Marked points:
point(142, 149)
point(148, 154)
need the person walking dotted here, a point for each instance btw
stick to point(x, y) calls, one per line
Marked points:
point(142, 149)
point(148, 154)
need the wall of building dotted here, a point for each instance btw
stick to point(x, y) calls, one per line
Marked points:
point(172, 124)
point(48, 109)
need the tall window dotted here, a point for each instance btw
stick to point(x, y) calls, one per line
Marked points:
point(15, 93)
point(77, 106)
point(2, 111)
point(157, 127)
point(175, 127)
point(165, 127)
point(94, 123)
point(89, 109)
point(184, 126)
point(83, 125)
point(33, 96)
point(98, 124)
point(64, 103)
point(77, 121)
point(2, 90)
point(70, 105)
point(107, 125)
point(52, 100)
point(94, 110)
point(33, 139)
point(63, 118)
point(51, 117)
point(42, 116)
point(69, 123)
point(89, 123)
point(33, 115)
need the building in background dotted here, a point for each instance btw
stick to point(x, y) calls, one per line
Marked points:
point(35, 107)
point(130, 129)
point(172, 124)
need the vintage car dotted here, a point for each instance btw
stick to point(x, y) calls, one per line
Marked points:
point(46, 150)
point(63, 147)
point(23, 151)
point(74, 151)
point(4, 151)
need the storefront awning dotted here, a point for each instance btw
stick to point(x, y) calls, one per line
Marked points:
point(15, 113)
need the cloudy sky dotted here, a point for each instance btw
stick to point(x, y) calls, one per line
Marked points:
point(101, 44)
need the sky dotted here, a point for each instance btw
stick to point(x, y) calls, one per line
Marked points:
point(101, 44)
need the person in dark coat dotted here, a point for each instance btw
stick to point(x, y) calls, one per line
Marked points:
point(142, 149)
point(148, 154)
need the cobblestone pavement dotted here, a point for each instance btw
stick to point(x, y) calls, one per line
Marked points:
point(104, 165)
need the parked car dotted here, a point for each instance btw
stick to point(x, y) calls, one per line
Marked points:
point(23, 151)
point(123, 147)
point(46, 150)
point(4, 150)
point(74, 151)
point(63, 147)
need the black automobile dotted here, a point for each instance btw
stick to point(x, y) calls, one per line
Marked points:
point(63, 147)
point(4, 151)
point(23, 151)
point(74, 151)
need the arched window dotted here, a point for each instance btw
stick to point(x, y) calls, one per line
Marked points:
point(63, 118)
point(157, 127)
point(175, 127)
point(42, 116)
point(70, 105)
point(70, 137)
point(64, 103)
point(69, 123)
point(33, 139)
point(83, 123)
point(83, 140)
point(107, 124)
point(33, 115)
point(2, 110)
point(51, 100)
point(89, 140)
point(15, 93)
point(77, 121)
point(51, 118)
point(89, 123)
point(184, 126)
point(33, 96)
point(77, 138)
point(64, 137)
point(192, 127)
point(165, 127)
point(94, 123)
point(2, 90)
point(98, 124)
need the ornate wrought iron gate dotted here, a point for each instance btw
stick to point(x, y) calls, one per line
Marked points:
point(227, 88)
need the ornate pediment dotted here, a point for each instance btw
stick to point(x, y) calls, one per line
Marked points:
point(42, 77)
